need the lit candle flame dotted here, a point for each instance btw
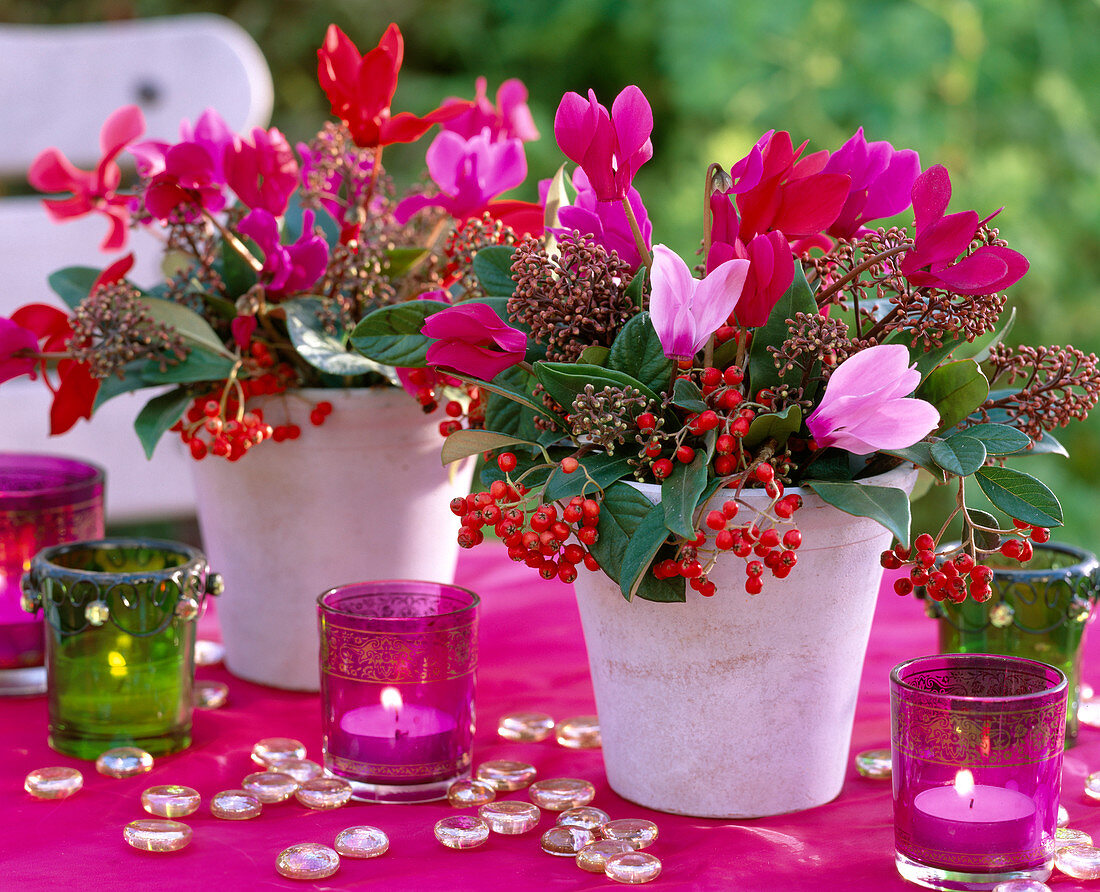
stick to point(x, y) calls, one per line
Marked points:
point(964, 782)
point(391, 699)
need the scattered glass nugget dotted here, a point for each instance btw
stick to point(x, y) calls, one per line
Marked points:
point(270, 786)
point(510, 818)
point(462, 832)
point(208, 653)
point(1087, 692)
point(363, 841)
point(587, 817)
point(504, 776)
point(1063, 816)
point(157, 836)
point(632, 868)
point(566, 840)
point(1079, 862)
point(593, 857)
point(323, 793)
point(235, 805)
point(640, 833)
point(307, 861)
point(874, 764)
point(171, 801)
point(210, 694)
point(1021, 886)
point(275, 749)
point(465, 793)
point(53, 783)
point(1092, 785)
point(124, 761)
point(580, 733)
point(560, 793)
point(1063, 836)
point(526, 727)
point(1088, 711)
point(301, 770)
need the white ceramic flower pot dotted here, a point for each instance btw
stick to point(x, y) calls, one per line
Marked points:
point(738, 705)
point(362, 497)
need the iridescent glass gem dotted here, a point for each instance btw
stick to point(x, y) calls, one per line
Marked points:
point(235, 805)
point(874, 764)
point(639, 832)
point(632, 868)
point(504, 775)
point(301, 770)
point(1064, 836)
point(157, 836)
point(210, 694)
point(1022, 886)
point(1092, 785)
point(560, 793)
point(124, 761)
point(323, 793)
point(580, 733)
point(526, 727)
point(307, 861)
point(510, 818)
point(1063, 816)
point(462, 832)
point(209, 653)
point(587, 817)
point(466, 793)
point(270, 786)
point(566, 840)
point(53, 783)
point(363, 841)
point(1079, 862)
point(593, 857)
point(274, 749)
point(170, 801)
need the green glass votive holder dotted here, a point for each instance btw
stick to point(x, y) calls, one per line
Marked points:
point(120, 620)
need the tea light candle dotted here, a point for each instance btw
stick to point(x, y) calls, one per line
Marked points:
point(395, 733)
point(974, 818)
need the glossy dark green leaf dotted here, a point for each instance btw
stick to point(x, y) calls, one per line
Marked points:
point(680, 494)
point(636, 287)
point(401, 260)
point(798, 298)
point(73, 283)
point(467, 442)
point(637, 351)
point(493, 268)
point(158, 415)
point(200, 365)
point(919, 454)
point(687, 395)
point(237, 274)
point(1021, 496)
point(777, 425)
point(959, 454)
point(643, 546)
point(595, 354)
point(508, 407)
point(564, 380)
point(956, 389)
point(983, 539)
point(884, 504)
point(323, 349)
point(603, 468)
point(998, 439)
point(391, 335)
point(195, 330)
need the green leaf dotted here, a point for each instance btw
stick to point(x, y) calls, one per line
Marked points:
point(725, 354)
point(642, 547)
point(463, 443)
point(680, 494)
point(779, 425)
point(1047, 445)
point(956, 389)
point(959, 454)
point(603, 468)
point(401, 260)
point(798, 298)
point(622, 509)
point(73, 283)
point(638, 352)
point(237, 273)
point(513, 384)
point(324, 350)
point(508, 408)
point(159, 414)
point(885, 504)
point(113, 385)
point(200, 365)
point(564, 380)
point(988, 541)
point(391, 335)
point(493, 268)
point(998, 439)
point(928, 361)
point(687, 395)
point(594, 354)
point(919, 454)
point(636, 287)
point(187, 323)
point(1020, 495)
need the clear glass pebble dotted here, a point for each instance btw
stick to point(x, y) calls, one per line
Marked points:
point(1092, 785)
point(209, 653)
point(560, 793)
point(462, 832)
point(307, 861)
point(466, 793)
point(1079, 862)
point(587, 817)
point(157, 836)
point(510, 817)
point(210, 694)
point(171, 801)
point(566, 840)
point(593, 857)
point(270, 786)
point(235, 805)
point(504, 776)
point(640, 833)
point(323, 793)
point(526, 727)
point(1088, 711)
point(363, 841)
point(275, 749)
point(1064, 836)
point(124, 761)
point(301, 770)
point(1087, 692)
point(1022, 886)
point(580, 733)
point(632, 868)
point(1063, 816)
point(874, 764)
point(53, 783)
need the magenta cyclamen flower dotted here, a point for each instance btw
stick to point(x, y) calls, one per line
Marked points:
point(882, 182)
point(17, 348)
point(686, 311)
point(610, 147)
point(189, 182)
point(605, 222)
point(510, 118)
point(472, 339)
point(262, 170)
point(866, 405)
point(286, 267)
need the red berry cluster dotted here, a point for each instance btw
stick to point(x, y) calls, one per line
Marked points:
point(473, 413)
point(208, 429)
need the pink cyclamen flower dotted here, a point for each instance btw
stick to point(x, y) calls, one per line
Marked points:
point(18, 347)
point(209, 131)
point(510, 118)
point(92, 191)
point(472, 339)
point(188, 184)
point(469, 173)
point(287, 267)
point(262, 170)
point(686, 311)
point(882, 182)
point(610, 147)
point(604, 221)
point(866, 406)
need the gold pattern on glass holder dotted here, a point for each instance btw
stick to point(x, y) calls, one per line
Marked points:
point(275, 749)
point(53, 783)
point(1064, 836)
point(423, 771)
point(560, 793)
point(1063, 816)
point(301, 770)
point(466, 793)
point(270, 786)
point(363, 841)
point(504, 775)
point(307, 861)
point(124, 761)
point(157, 836)
point(1022, 886)
point(525, 727)
point(587, 817)
point(322, 793)
point(1092, 785)
point(580, 733)
point(1079, 862)
point(593, 857)
point(462, 832)
point(412, 657)
point(210, 694)
point(632, 868)
point(235, 805)
point(566, 840)
point(874, 764)
point(639, 832)
point(511, 817)
point(171, 801)
point(209, 653)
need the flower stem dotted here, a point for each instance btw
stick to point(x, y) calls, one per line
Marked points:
point(864, 266)
point(235, 242)
point(636, 231)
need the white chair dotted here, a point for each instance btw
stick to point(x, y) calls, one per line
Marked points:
point(58, 84)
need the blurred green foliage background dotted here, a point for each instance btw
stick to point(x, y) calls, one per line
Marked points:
point(1001, 91)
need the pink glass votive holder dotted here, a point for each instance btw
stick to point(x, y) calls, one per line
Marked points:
point(44, 500)
point(398, 660)
point(977, 744)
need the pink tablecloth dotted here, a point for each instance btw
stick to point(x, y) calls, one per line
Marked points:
point(532, 658)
